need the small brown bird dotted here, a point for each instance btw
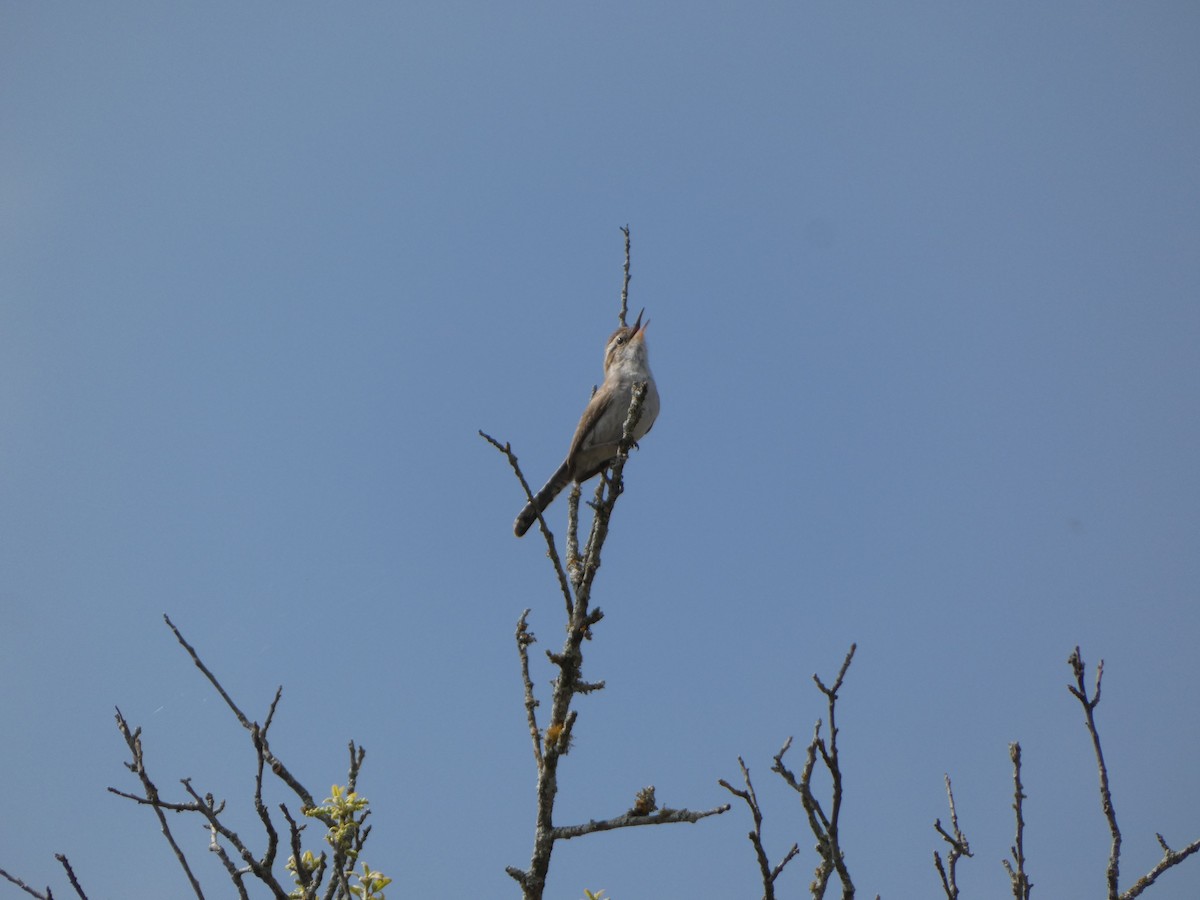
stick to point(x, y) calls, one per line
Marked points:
point(626, 363)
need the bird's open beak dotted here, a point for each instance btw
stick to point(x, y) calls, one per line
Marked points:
point(638, 325)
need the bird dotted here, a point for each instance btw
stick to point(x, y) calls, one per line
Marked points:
point(594, 446)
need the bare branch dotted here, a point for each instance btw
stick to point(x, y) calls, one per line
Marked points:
point(235, 854)
point(625, 280)
point(258, 736)
point(210, 811)
point(1021, 885)
point(1170, 858)
point(357, 755)
point(630, 820)
point(767, 873)
point(552, 550)
point(1079, 690)
point(66, 864)
point(212, 679)
point(236, 875)
point(276, 765)
point(958, 848)
point(824, 826)
point(573, 558)
point(524, 639)
point(32, 892)
point(137, 765)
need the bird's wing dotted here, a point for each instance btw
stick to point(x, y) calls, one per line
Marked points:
point(592, 414)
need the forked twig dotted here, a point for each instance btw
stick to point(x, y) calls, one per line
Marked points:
point(767, 872)
point(825, 826)
point(1170, 857)
point(958, 848)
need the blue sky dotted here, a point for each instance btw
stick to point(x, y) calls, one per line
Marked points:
point(924, 287)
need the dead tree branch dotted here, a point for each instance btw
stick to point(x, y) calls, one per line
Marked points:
point(824, 825)
point(49, 894)
point(958, 848)
point(1079, 689)
point(625, 279)
point(1171, 857)
point(552, 548)
point(344, 815)
point(1021, 885)
point(768, 872)
point(137, 765)
point(554, 742)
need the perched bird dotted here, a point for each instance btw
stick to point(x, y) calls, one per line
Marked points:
point(626, 363)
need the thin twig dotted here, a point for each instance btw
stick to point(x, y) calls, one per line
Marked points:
point(66, 864)
point(552, 549)
point(525, 637)
point(1021, 885)
point(1079, 689)
point(958, 848)
point(768, 874)
point(137, 765)
point(625, 280)
point(258, 736)
point(630, 820)
point(276, 765)
point(32, 892)
point(1170, 857)
point(211, 811)
point(824, 827)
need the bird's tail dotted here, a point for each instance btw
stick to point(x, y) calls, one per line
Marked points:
point(543, 498)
